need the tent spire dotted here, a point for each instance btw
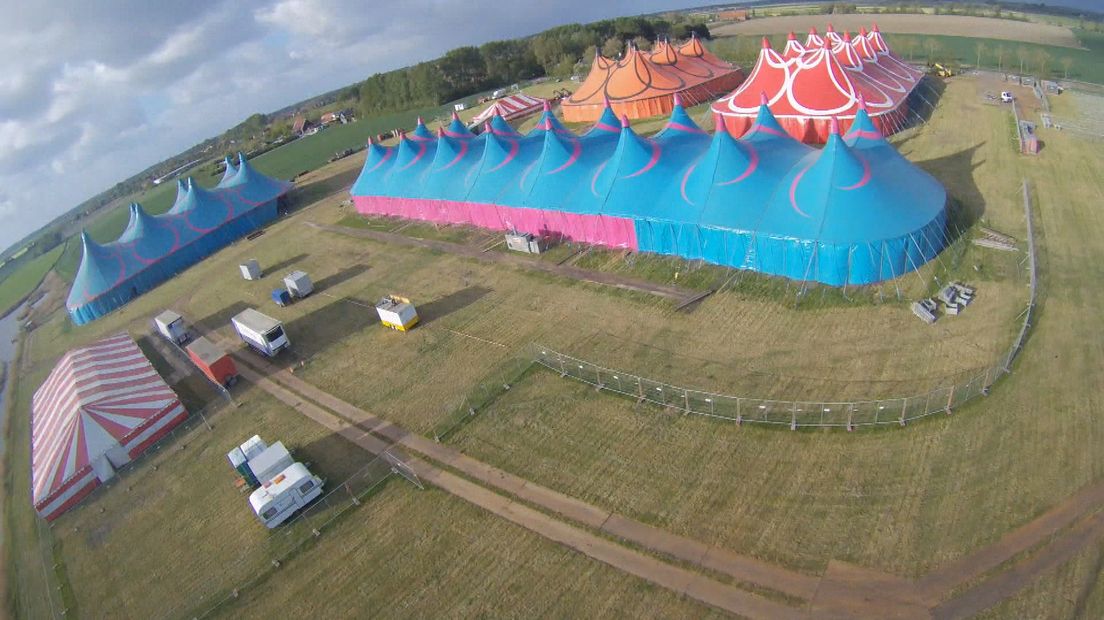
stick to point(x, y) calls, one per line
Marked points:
point(862, 102)
point(606, 101)
point(833, 128)
point(763, 100)
point(677, 99)
point(624, 120)
point(766, 43)
point(546, 106)
point(455, 116)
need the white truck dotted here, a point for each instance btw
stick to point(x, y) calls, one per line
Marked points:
point(282, 496)
point(172, 327)
point(261, 332)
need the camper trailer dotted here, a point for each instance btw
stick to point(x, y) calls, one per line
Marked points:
point(278, 499)
point(171, 326)
point(263, 333)
point(213, 361)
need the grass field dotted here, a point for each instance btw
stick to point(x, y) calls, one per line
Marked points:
point(1086, 61)
point(953, 25)
point(25, 278)
point(898, 500)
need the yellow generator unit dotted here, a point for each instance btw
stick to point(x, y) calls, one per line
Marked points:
point(397, 313)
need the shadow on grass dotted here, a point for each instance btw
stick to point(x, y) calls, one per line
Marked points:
point(309, 193)
point(284, 264)
point(450, 303)
point(345, 274)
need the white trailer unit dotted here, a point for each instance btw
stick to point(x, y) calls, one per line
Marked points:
point(291, 489)
point(266, 465)
point(262, 332)
point(397, 313)
point(251, 269)
point(298, 284)
point(253, 446)
point(171, 325)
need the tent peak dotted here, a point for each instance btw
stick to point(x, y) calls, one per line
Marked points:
point(766, 43)
point(862, 102)
point(677, 99)
point(830, 28)
point(874, 27)
point(546, 106)
point(833, 128)
point(455, 116)
point(606, 101)
point(846, 36)
point(763, 100)
point(791, 36)
point(718, 123)
point(862, 30)
point(813, 30)
point(624, 120)
point(419, 122)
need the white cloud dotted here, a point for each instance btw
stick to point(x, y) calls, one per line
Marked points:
point(93, 92)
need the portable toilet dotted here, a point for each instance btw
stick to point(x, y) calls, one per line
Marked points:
point(253, 446)
point(241, 465)
point(171, 325)
point(251, 269)
point(298, 284)
point(213, 361)
point(397, 313)
point(281, 296)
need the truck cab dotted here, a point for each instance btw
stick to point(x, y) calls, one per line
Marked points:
point(289, 491)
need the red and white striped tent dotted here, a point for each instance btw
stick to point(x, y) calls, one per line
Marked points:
point(101, 406)
point(511, 107)
point(808, 87)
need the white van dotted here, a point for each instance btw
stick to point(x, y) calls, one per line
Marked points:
point(285, 494)
point(261, 332)
point(1006, 97)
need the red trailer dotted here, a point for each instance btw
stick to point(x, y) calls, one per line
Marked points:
point(213, 361)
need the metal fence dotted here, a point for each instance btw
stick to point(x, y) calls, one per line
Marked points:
point(805, 413)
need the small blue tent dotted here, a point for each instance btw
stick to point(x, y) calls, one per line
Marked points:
point(153, 249)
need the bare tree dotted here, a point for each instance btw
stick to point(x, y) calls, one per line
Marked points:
point(1042, 59)
point(1067, 64)
point(1000, 57)
point(982, 49)
point(1023, 55)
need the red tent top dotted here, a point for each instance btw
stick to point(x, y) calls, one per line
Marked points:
point(96, 398)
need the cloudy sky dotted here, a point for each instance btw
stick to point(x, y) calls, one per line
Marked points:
point(93, 92)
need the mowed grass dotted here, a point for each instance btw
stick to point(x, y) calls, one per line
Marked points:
point(903, 501)
point(25, 278)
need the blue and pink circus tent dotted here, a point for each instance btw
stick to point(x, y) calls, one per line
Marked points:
point(855, 212)
point(154, 248)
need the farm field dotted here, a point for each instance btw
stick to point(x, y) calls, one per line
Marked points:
point(896, 500)
point(23, 280)
point(953, 25)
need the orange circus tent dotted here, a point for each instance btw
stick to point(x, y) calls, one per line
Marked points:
point(644, 84)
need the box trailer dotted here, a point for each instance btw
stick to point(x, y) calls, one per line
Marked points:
point(213, 361)
point(285, 494)
point(298, 284)
point(251, 269)
point(261, 332)
point(171, 326)
point(241, 465)
point(272, 461)
point(253, 446)
point(397, 313)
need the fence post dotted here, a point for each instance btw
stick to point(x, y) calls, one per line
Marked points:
point(793, 417)
point(850, 417)
point(639, 391)
point(950, 399)
point(563, 372)
point(739, 413)
point(686, 401)
point(904, 407)
point(598, 377)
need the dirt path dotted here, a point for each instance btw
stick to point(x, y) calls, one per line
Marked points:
point(844, 591)
point(678, 294)
point(656, 571)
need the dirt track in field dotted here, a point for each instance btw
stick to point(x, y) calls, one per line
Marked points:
point(951, 25)
point(844, 591)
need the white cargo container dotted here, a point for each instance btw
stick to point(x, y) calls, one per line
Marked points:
point(264, 333)
point(397, 313)
point(253, 446)
point(251, 269)
point(171, 325)
point(291, 489)
point(272, 461)
point(298, 284)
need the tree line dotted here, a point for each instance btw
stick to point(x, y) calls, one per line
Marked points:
point(558, 52)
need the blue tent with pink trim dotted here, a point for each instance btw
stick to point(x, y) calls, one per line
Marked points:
point(853, 213)
point(154, 248)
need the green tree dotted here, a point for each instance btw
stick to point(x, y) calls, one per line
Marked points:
point(1001, 52)
point(1067, 64)
point(981, 49)
point(1042, 61)
point(612, 47)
